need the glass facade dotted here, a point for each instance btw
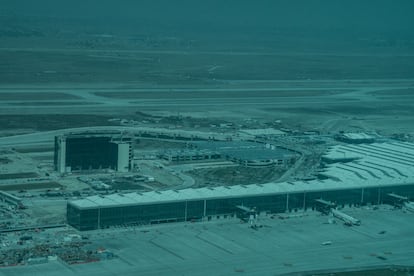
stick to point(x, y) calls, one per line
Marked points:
point(295, 201)
point(82, 219)
point(371, 196)
point(404, 190)
point(86, 153)
point(195, 210)
point(88, 219)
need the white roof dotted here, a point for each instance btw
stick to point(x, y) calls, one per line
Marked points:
point(379, 164)
point(357, 136)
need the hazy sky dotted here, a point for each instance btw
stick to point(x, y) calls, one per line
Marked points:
point(352, 15)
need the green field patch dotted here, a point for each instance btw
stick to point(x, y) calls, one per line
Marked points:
point(18, 175)
point(394, 92)
point(370, 272)
point(33, 96)
point(50, 103)
point(219, 94)
point(30, 186)
point(44, 122)
point(34, 149)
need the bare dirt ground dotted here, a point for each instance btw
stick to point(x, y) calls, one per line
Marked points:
point(45, 65)
point(162, 176)
point(49, 80)
point(363, 106)
point(239, 175)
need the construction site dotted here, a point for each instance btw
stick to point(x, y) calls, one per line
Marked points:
point(52, 215)
point(206, 139)
point(65, 191)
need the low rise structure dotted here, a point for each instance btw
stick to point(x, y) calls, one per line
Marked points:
point(263, 132)
point(187, 155)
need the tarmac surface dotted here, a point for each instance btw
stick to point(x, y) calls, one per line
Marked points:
point(303, 242)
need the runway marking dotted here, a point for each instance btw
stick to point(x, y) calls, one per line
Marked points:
point(213, 244)
point(166, 249)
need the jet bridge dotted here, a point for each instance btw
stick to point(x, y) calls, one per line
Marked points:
point(347, 219)
point(324, 206)
point(247, 214)
point(400, 201)
point(327, 207)
point(397, 200)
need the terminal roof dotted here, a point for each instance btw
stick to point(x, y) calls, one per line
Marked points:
point(379, 164)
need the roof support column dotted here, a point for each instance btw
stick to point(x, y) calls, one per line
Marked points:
point(304, 201)
point(99, 218)
point(287, 202)
point(205, 208)
point(362, 195)
point(185, 211)
point(379, 195)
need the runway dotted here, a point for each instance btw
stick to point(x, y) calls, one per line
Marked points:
point(90, 100)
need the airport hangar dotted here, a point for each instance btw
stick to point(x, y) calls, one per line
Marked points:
point(93, 150)
point(355, 175)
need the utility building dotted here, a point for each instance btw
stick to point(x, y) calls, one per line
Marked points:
point(93, 151)
point(250, 154)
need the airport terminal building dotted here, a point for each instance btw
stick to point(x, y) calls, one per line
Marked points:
point(376, 170)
